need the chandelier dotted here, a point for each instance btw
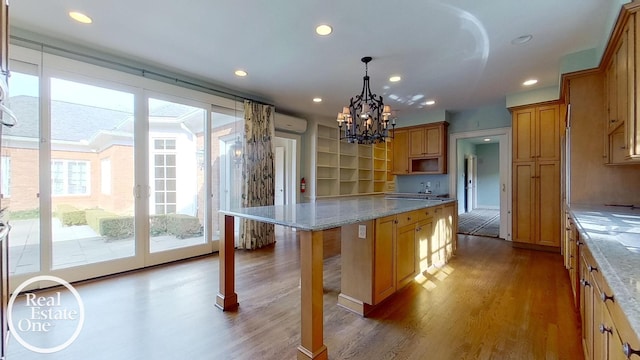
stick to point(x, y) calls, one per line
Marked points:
point(366, 119)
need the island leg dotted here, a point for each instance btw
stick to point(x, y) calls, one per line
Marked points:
point(227, 298)
point(312, 339)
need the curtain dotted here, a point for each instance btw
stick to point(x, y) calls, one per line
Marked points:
point(257, 173)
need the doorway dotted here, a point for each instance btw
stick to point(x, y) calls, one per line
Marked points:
point(466, 174)
point(470, 182)
point(286, 168)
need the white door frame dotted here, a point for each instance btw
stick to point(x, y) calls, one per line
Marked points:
point(292, 163)
point(504, 135)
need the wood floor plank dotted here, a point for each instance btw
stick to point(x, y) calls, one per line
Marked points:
point(491, 301)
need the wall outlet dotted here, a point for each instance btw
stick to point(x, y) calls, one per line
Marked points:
point(362, 231)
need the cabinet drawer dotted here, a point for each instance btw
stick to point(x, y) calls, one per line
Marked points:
point(408, 218)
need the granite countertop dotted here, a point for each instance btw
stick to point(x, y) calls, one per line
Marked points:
point(612, 234)
point(331, 213)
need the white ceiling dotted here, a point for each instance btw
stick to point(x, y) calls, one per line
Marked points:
point(457, 52)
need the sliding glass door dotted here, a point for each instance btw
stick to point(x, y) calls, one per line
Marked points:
point(91, 156)
point(103, 175)
point(177, 173)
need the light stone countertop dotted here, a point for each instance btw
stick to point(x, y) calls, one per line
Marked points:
point(612, 234)
point(330, 213)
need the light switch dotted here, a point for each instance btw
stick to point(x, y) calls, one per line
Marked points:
point(362, 231)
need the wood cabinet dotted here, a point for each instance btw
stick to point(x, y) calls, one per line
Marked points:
point(606, 333)
point(571, 256)
point(384, 254)
point(343, 168)
point(400, 152)
point(536, 175)
point(392, 252)
point(622, 122)
point(421, 149)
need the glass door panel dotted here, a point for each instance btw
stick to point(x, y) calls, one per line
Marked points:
point(176, 175)
point(92, 201)
point(20, 173)
point(226, 156)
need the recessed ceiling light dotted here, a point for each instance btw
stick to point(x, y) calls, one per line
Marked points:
point(430, 102)
point(522, 39)
point(395, 78)
point(241, 73)
point(80, 17)
point(324, 30)
point(486, 140)
point(317, 100)
point(530, 82)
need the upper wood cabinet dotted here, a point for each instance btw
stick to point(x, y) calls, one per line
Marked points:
point(622, 122)
point(536, 133)
point(421, 149)
point(400, 164)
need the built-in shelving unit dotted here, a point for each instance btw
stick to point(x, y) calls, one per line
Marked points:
point(344, 169)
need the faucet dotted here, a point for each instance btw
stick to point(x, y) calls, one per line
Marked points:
point(425, 188)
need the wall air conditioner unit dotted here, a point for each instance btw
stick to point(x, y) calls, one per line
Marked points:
point(289, 123)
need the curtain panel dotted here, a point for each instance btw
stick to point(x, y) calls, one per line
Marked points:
point(257, 173)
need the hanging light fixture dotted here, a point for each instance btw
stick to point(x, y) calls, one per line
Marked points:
point(236, 147)
point(366, 119)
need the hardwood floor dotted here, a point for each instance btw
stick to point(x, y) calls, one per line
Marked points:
point(491, 302)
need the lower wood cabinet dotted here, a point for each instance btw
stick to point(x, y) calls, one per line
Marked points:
point(606, 333)
point(381, 256)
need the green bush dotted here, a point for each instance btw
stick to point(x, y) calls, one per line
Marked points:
point(116, 226)
point(70, 215)
point(158, 225)
point(183, 226)
point(93, 218)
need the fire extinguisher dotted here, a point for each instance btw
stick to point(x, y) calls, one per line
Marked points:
point(303, 185)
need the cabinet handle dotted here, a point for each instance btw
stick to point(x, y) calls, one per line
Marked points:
point(579, 243)
point(614, 121)
point(606, 297)
point(604, 329)
point(628, 350)
point(568, 229)
point(592, 268)
point(584, 282)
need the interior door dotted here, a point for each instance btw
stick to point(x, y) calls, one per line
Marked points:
point(280, 176)
point(470, 182)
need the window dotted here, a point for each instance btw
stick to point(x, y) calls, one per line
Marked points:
point(105, 176)
point(165, 176)
point(69, 177)
point(6, 176)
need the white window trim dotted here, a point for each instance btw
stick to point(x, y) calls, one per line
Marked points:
point(66, 179)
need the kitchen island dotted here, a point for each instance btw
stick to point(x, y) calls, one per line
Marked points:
point(311, 219)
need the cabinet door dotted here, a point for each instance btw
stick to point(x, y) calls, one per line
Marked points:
point(524, 203)
point(424, 234)
point(612, 100)
point(599, 338)
point(548, 203)
point(384, 283)
point(448, 230)
point(417, 142)
point(400, 152)
point(433, 141)
point(548, 132)
point(405, 255)
point(622, 79)
point(586, 309)
point(524, 133)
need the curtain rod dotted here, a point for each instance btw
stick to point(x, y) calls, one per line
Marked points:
point(115, 63)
